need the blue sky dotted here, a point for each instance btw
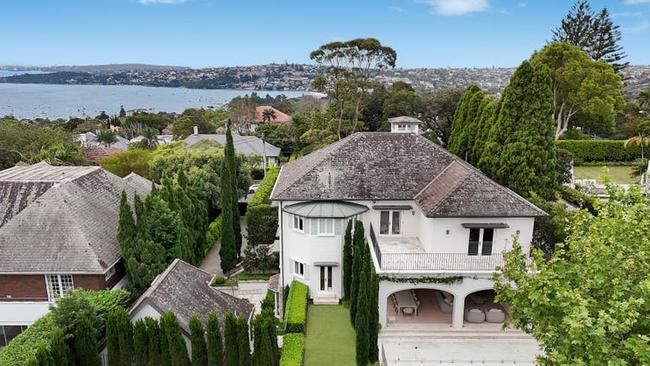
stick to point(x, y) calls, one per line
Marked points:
point(199, 33)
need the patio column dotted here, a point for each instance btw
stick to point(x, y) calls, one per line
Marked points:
point(458, 312)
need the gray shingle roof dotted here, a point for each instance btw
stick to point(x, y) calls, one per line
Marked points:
point(392, 166)
point(404, 119)
point(60, 219)
point(246, 145)
point(185, 290)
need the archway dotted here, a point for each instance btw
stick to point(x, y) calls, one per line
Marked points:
point(483, 311)
point(420, 306)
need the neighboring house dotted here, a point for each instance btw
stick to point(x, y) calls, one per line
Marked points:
point(278, 117)
point(435, 225)
point(58, 230)
point(246, 145)
point(185, 290)
point(160, 139)
point(89, 140)
point(405, 124)
point(99, 153)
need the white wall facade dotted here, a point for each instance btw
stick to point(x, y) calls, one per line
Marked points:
point(22, 312)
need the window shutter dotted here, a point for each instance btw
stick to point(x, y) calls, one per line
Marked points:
point(307, 271)
point(338, 227)
point(313, 223)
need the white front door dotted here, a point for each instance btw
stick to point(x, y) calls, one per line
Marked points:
point(325, 278)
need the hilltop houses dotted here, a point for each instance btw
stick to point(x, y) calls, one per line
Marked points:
point(435, 225)
point(58, 231)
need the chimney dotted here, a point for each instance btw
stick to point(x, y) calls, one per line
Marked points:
point(196, 130)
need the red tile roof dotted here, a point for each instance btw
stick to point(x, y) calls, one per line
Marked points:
point(279, 116)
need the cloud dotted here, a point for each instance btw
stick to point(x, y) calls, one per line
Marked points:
point(634, 2)
point(642, 27)
point(398, 9)
point(169, 2)
point(456, 7)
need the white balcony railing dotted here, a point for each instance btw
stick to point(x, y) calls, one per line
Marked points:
point(425, 262)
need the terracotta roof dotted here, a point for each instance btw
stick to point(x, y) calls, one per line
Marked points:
point(96, 154)
point(391, 166)
point(60, 219)
point(185, 290)
point(280, 117)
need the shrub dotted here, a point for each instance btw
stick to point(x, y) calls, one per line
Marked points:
point(578, 198)
point(213, 234)
point(122, 164)
point(296, 310)
point(263, 193)
point(564, 161)
point(259, 259)
point(219, 280)
point(262, 221)
point(268, 302)
point(599, 150)
point(293, 350)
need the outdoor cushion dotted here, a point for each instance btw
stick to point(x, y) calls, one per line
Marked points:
point(475, 316)
point(495, 316)
point(445, 307)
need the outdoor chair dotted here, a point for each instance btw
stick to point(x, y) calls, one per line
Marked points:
point(475, 316)
point(495, 316)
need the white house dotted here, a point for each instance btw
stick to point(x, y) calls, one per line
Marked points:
point(436, 227)
point(251, 146)
point(405, 124)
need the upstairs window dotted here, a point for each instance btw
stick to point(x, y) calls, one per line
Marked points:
point(325, 227)
point(480, 241)
point(298, 223)
point(58, 285)
point(299, 268)
point(389, 223)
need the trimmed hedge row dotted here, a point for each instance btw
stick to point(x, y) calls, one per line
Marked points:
point(296, 311)
point(263, 193)
point(293, 349)
point(23, 350)
point(599, 150)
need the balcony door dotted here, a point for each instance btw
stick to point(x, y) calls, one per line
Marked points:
point(390, 223)
point(326, 278)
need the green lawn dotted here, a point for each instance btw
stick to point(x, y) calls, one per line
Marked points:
point(619, 174)
point(330, 339)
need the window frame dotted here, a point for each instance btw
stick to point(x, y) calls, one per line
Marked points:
point(391, 222)
point(480, 242)
point(54, 283)
point(301, 224)
point(320, 225)
point(299, 268)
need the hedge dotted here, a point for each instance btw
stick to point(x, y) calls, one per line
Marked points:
point(213, 234)
point(600, 150)
point(262, 224)
point(296, 310)
point(578, 198)
point(263, 193)
point(23, 349)
point(293, 349)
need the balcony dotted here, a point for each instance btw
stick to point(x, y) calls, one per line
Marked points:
point(396, 253)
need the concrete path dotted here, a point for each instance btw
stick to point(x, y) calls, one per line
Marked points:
point(253, 291)
point(212, 261)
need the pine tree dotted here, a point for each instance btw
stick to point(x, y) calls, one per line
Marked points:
point(126, 226)
point(361, 322)
point(243, 342)
point(228, 250)
point(125, 336)
point(153, 346)
point(85, 344)
point(520, 153)
point(140, 343)
point(113, 339)
point(358, 246)
point(174, 339)
point(215, 342)
point(231, 340)
point(347, 260)
point(576, 27)
point(605, 43)
point(199, 349)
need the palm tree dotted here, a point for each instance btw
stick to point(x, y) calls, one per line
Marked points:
point(106, 137)
point(150, 137)
point(644, 98)
point(268, 115)
point(642, 138)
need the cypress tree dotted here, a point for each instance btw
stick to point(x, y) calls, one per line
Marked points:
point(199, 349)
point(125, 336)
point(485, 122)
point(231, 160)
point(373, 308)
point(215, 342)
point(60, 351)
point(520, 153)
point(264, 353)
point(474, 126)
point(112, 339)
point(243, 342)
point(172, 331)
point(347, 260)
point(466, 139)
point(153, 342)
point(140, 343)
point(228, 250)
point(231, 343)
point(361, 322)
point(456, 137)
point(357, 265)
point(85, 344)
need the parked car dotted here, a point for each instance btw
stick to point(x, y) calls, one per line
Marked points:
point(253, 188)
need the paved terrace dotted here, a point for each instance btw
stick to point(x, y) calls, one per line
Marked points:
point(398, 253)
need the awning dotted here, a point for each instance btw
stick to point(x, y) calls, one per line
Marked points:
point(326, 264)
point(392, 207)
point(491, 225)
point(326, 209)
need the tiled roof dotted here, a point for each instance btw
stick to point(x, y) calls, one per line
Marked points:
point(391, 166)
point(280, 117)
point(246, 145)
point(185, 290)
point(60, 219)
point(96, 154)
